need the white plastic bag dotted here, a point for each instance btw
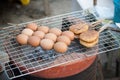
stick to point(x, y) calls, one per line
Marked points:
point(85, 4)
point(104, 8)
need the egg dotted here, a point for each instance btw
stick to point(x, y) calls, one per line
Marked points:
point(56, 31)
point(22, 38)
point(47, 44)
point(69, 34)
point(51, 36)
point(64, 39)
point(40, 34)
point(45, 29)
point(27, 31)
point(32, 26)
point(34, 41)
point(60, 47)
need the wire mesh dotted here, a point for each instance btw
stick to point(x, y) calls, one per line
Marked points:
point(27, 59)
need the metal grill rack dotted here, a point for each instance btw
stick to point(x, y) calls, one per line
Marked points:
point(27, 59)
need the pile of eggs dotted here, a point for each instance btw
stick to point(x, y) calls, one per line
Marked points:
point(47, 38)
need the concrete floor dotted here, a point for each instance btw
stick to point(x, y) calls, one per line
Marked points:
point(60, 6)
point(14, 13)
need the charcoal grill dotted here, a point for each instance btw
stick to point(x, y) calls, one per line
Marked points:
point(28, 60)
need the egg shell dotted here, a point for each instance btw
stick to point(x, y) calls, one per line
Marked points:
point(64, 39)
point(32, 26)
point(60, 47)
point(22, 38)
point(47, 44)
point(40, 34)
point(51, 36)
point(27, 31)
point(34, 41)
point(69, 34)
point(56, 31)
point(45, 29)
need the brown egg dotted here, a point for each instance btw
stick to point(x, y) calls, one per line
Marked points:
point(60, 47)
point(27, 31)
point(40, 34)
point(69, 34)
point(64, 39)
point(32, 26)
point(47, 44)
point(22, 38)
point(34, 41)
point(51, 36)
point(56, 31)
point(45, 29)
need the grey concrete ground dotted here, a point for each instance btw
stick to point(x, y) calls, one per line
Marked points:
point(15, 13)
point(60, 6)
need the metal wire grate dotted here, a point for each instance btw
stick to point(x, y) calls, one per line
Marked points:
point(27, 59)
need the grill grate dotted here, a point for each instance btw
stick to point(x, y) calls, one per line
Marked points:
point(27, 59)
